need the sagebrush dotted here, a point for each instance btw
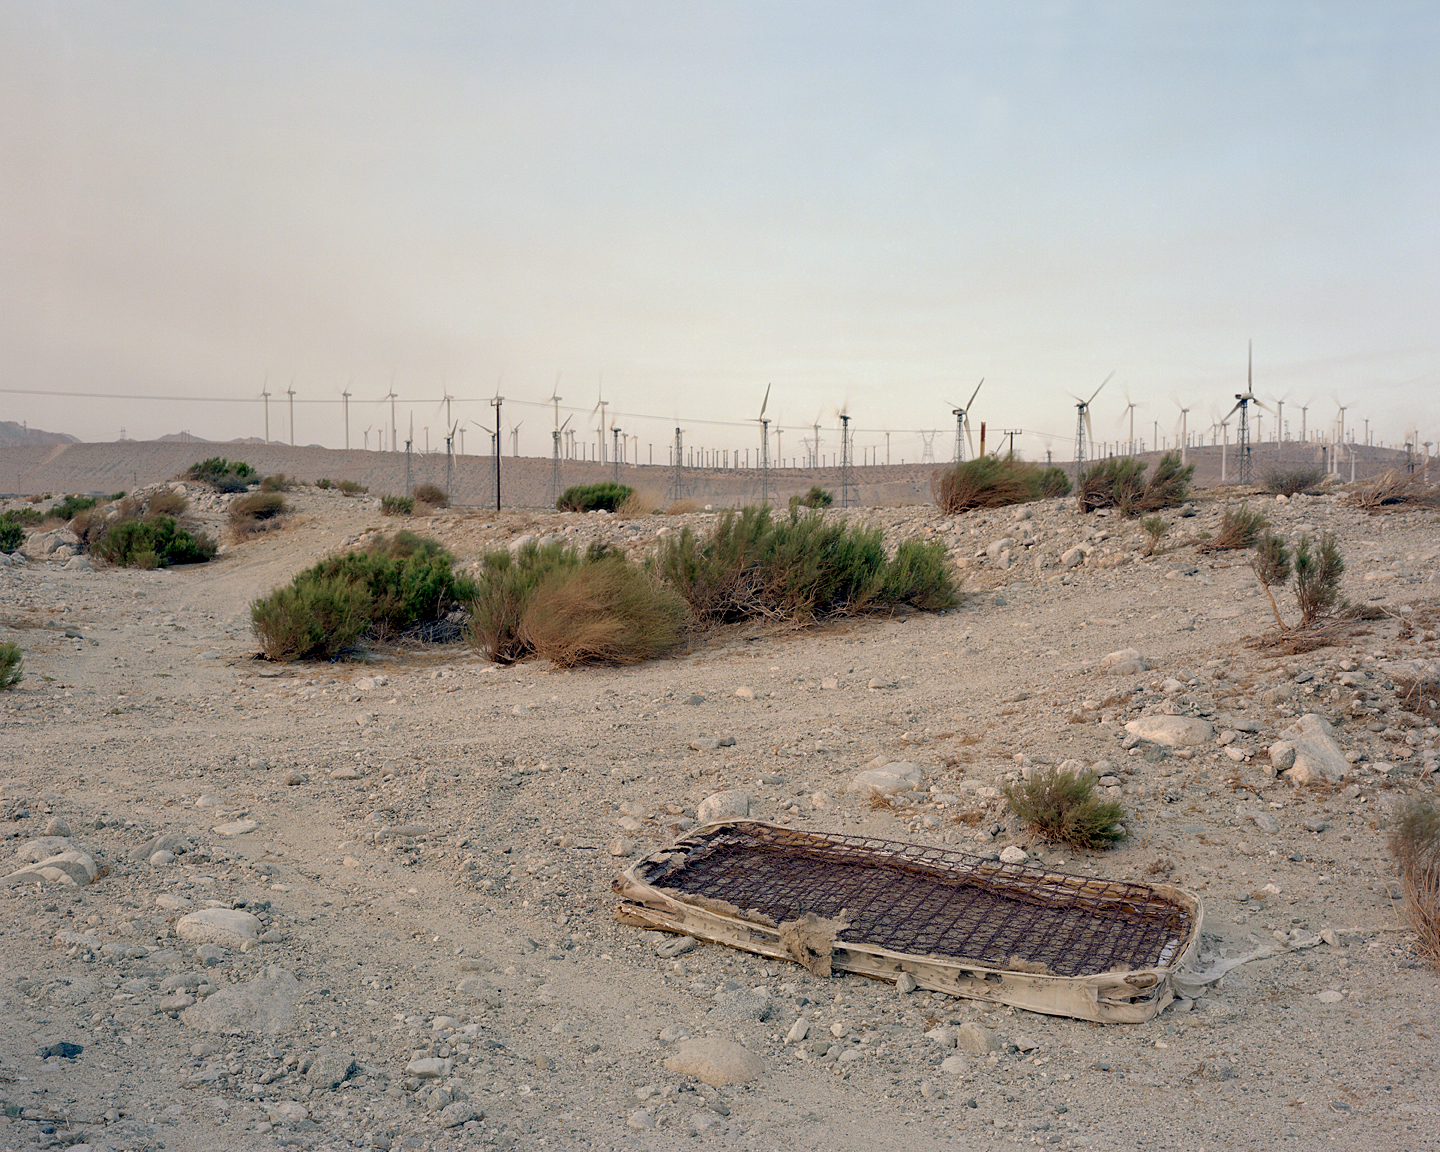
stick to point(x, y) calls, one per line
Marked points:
point(1062, 806)
point(221, 474)
point(1239, 528)
point(12, 535)
point(1282, 482)
point(603, 611)
point(1318, 568)
point(607, 497)
point(152, 542)
point(397, 505)
point(990, 482)
point(12, 665)
point(1120, 482)
point(1415, 849)
point(432, 495)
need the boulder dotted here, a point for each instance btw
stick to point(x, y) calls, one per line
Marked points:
point(718, 806)
point(897, 776)
point(1172, 731)
point(715, 1061)
point(1317, 754)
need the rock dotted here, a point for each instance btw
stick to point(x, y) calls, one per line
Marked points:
point(227, 926)
point(798, 1031)
point(640, 1120)
point(718, 806)
point(1329, 996)
point(293, 778)
point(235, 828)
point(1172, 731)
point(1072, 557)
point(715, 1061)
point(1014, 855)
point(676, 946)
point(906, 984)
point(1282, 755)
point(70, 866)
point(55, 826)
point(345, 772)
point(976, 1039)
point(62, 1048)
point(1315, 824)
point(330, 1068)
point(741, 1004)
point(262, 1005)
point(1264, 821)
point(455, 1114)
point(897, 776)
point(1122, 656)
point(622, 847)
point(169, 842)
point(1317, 755)
point(675, 1032)
point(161, 858)
point(430, 1068)
point(945, 1035)
point(954, 1065)
point(745, 692)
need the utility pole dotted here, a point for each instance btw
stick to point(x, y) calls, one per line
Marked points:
point(265, 394)
point(291, 393)
point(1012, 433)
point(346, 401)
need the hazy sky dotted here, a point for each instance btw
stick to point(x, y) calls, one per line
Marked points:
point(681, 203)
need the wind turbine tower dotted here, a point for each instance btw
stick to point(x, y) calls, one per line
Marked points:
point(1082, 427)
point(846, 483)
point(962, 424)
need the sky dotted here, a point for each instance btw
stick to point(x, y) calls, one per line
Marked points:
point(860, 206)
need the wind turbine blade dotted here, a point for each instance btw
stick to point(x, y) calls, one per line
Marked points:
point(974, 394)
point(764, 403)
point(1102, 385)
point(1249, 365)
point(567, 422)
point(970, 436)
point(1233, 410)
point(1089, 431)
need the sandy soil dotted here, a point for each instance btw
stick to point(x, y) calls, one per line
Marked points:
point(431, 857)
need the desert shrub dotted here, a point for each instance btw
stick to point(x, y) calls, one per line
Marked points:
point(89, 523)
point(154, 542)
point(681, 507)
point(504, 589)
point(1271, 564)
point(986, 482)
point(166, 502)
point(323, 483)
point(311, 619)
point(352, 488)
point(1395, 489)
point(71, 506)
point(799, 568)
point(1415, 848)
point(260, 505)
point(605, 497)
point(279, 482)
point(221, 474)
point(397, 505)
point(602, 611)
point(1054, 481)
point(431, 494)
point(1155, 530)
point(1120, 482)
point(1239, 528)
point(1317, 577)
point(1062, 806)
point(12, 665)
point(817, 497)
point(38, 497)
point(12, 535)
point(396, 582)
point(1287, 482)
point(26, 517)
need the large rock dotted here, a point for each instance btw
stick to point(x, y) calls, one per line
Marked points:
point(723, 806)
point(717, 1062)
point(1317, 755)
point(53, 860)
point(262, 1005)
point(1125, 662)
point(897, 776)
point(976, 1039)
point(227, 926)
point(1172, 731)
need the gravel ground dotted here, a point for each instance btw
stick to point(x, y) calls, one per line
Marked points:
point(420, 849)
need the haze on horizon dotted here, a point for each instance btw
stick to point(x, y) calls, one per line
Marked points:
point(680, 204)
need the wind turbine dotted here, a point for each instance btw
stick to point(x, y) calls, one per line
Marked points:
point(393, 426)
point(366, 434)
point(515, 439)
point(345, 399)
point(845, 450)
point(764, 449)
point(962, 424)
point(1243, 400)
point(555, 435)
point(1184, 432)
point(291, 393)
point(265, 395)
point(450, 458)
point(1130, 407)
point(1082, 426)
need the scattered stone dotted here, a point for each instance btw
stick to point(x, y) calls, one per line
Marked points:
point(430, 1067)
point(1317, 754)
point(1315, 824)
point(262, 1005)
point(345, 772)
point(1264, 821)
point(456, 1113)
point(1172, 731)
point(896, 776)
point(640, 1120)
point(955, 1065)
point(719, 806)
point(329, 1068)
point(70, 866)
point(228, 926)
point(235, 828)
point(976, 1039)
point(906, 984)
point(1014, 855)
point(676, 946)
point(715, 1061)
point(622, 847)
point(745, 692)
point(741, 1004)
point(168, 842)
point(1125, 662)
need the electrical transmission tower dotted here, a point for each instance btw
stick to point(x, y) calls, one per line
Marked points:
point(677, 484)
point(927, 456)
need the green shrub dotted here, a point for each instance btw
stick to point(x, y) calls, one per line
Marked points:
point(27, 517)
point(311, 619)
point(1239, 528)
point(221, 474)
point(352, 488)
point(431, 494)
point(799, 568)
point(1119, 482)
point(1279, 482)
point(72, 506)
point(1317, 577)
point(397, 505)
point(605, 497)
point(279, 482)
point(12, 535)
point(323, 483)
point(503, 591)
point(395, 583)
point(166, 502)
point(817, 497)
point(986, 482)
point(1054, 481)
point(602, 611)
point(1156, 529)
point(12, 665)
point(1415, 848)
point(155, 542)
point(1062, 806)
point(260, 505)
point(1271, 564)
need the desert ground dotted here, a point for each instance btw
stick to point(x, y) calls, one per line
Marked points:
point(410, 855)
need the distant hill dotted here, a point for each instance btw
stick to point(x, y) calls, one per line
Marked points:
point(13, 433)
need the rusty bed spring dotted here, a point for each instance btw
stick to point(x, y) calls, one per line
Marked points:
point(928, 901)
